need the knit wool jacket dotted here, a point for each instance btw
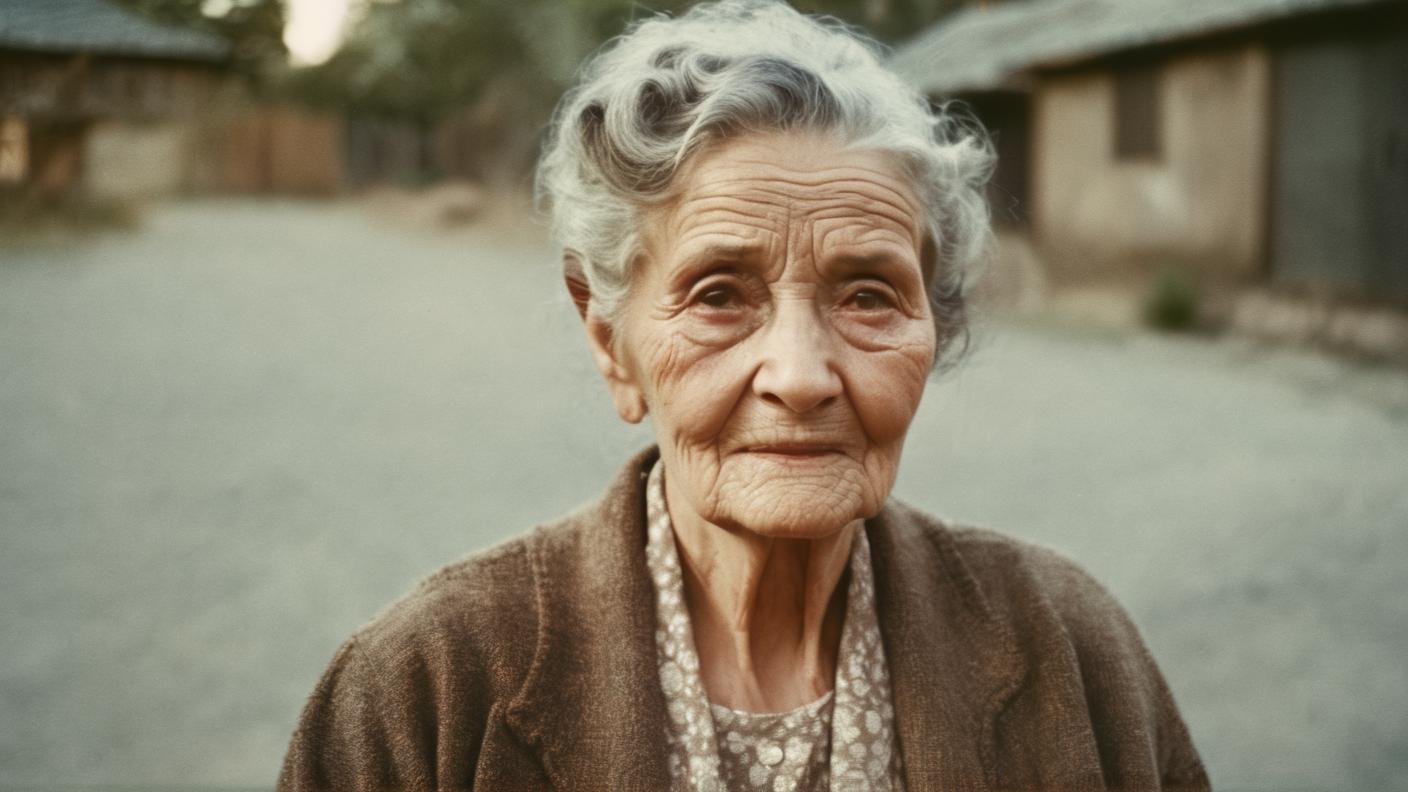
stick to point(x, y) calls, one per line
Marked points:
point(532, 665)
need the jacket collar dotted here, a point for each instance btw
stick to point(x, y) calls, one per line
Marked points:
point(954, 662)
point(591, 704)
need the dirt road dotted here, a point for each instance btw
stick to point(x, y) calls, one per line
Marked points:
point(228, 438)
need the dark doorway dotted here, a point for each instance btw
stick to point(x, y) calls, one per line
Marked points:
point(1339, 218)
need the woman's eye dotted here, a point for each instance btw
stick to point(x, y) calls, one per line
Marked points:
point(719, 297)
point(870, 300)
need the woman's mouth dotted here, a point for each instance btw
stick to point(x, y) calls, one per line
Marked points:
point(792, 451)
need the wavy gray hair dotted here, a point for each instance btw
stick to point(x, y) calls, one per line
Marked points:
point(669, 87)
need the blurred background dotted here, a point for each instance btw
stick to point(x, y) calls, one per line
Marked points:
point(280, 333)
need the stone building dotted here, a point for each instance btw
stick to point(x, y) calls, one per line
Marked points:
point(1254, 142)
point(97, 99)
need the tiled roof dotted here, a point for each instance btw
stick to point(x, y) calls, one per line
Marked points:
point(100, 27)
point(982, 48)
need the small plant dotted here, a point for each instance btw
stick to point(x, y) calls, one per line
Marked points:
point(29, 214)
point(1172, 302)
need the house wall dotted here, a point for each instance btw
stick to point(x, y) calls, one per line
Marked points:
point(1202, 203)
point(283, 150)
point(56, 154)
point(136, 160)
point(306, 155)
point(80, 86)
point(111, 127)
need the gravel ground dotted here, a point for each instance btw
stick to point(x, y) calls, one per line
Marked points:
point(228, 438)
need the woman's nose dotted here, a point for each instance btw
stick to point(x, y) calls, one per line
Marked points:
point(798, 366)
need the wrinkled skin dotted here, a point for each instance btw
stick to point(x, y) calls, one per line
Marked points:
point(778, 333)
point(780, 302)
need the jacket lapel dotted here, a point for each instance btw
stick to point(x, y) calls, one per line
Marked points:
point(953, 662)
point(591, 705)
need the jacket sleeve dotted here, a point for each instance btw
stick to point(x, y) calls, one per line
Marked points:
point(1126, 692)
point(352, 736)
point(1180, 765)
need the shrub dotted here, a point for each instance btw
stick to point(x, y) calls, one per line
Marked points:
point(1172, 302)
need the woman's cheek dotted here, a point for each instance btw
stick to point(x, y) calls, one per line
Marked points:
point(718, 331)
point(886, 330)
point(890, 384)
point(694, 387)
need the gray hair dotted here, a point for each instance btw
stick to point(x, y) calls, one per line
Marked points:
point(669, 87)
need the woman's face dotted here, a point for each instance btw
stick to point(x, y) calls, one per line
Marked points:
point(779, 334)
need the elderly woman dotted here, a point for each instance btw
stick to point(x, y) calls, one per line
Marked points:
point(766, 235)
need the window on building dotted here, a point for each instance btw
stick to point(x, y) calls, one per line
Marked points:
point(1139, 117)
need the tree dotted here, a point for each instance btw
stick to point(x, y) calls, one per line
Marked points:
point(504, 62)
point(254, 28)
point(424, 57)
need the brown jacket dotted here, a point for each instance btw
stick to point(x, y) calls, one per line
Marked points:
point(532, 665)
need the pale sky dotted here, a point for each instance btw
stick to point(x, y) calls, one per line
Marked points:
point(314, 28)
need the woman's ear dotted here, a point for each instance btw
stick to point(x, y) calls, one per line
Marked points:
point(626, 393)
point(576, 279)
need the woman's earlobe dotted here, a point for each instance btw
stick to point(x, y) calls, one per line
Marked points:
point(626, 393)
point(631, 407)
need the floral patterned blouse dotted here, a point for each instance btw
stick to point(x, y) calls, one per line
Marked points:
point(843, 740)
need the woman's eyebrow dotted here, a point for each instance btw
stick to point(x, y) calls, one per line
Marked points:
point(877, 262)
point(741, 255)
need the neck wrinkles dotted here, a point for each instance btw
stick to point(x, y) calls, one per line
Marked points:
point(766, 613)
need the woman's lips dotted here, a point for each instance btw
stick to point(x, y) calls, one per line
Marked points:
point(792, 451)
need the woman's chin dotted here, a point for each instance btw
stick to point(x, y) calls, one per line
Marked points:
point(801, 513)
point(794, 499)
point(809, 533)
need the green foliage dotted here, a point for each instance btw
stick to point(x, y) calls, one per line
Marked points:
point(891, 21)
point(27, 216)
point(421, 58)
point(497, 67)
point(427, 58)
point(1172, 302)
point(254, 28)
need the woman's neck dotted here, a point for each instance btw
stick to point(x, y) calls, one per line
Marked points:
point(766, 613)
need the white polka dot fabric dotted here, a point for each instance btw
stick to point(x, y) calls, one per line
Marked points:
point(843, 740)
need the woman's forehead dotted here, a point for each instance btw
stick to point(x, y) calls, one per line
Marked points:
point(799, 166)
point(774, 183)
